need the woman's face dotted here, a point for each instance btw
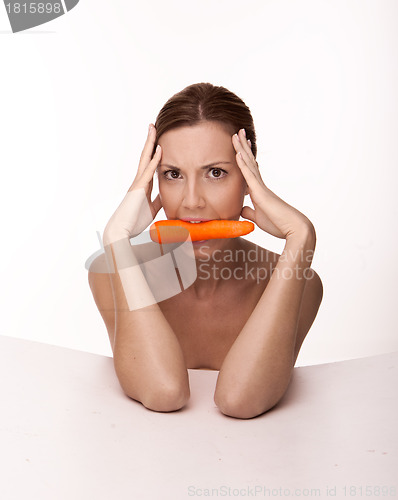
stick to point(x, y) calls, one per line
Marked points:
point(198, 174)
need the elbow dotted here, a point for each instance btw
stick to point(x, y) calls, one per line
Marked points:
point(232, 405)
point(166, 398)
point(155, 391)
point(161, 396)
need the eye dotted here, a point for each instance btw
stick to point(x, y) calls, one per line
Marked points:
point(220, 173)
point(172, 172)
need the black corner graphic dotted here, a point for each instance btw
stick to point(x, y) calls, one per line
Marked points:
point(69, 4)
point(25, 14)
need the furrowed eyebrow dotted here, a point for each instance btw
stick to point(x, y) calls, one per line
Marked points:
point(201, 168)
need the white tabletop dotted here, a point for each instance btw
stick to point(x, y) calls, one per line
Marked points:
point(67, 431)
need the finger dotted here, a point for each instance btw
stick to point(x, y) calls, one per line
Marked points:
point(240, 149)
point(149, 171)
point(249, 142)
point(250, 177)
point(146, 175)
point(248, 213)
point(246, 163)
point(245, 144)
point(146, 154)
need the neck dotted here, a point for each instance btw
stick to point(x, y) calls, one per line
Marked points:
point(215, 265)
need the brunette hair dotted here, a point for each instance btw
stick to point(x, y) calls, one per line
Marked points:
point(206, 102)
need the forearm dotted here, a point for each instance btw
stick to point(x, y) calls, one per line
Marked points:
point(148, 358)
point(258, 367)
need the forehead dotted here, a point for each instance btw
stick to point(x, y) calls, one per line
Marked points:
point(198, 138)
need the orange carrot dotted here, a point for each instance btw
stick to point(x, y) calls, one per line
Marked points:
point(172, 231)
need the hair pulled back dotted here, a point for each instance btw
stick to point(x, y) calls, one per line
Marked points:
point(206, 102)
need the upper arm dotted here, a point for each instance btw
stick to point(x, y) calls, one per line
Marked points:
point(312, 298)
point(101, 288)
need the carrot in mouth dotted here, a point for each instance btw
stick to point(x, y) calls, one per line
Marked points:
point(172, 231)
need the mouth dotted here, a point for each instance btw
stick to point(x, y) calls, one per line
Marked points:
point(195, 220)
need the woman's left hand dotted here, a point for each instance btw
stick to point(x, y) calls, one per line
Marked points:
point(271, 213)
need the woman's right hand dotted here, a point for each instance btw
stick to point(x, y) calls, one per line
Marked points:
point(136, 210)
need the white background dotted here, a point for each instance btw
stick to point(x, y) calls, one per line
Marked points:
point(77, 95)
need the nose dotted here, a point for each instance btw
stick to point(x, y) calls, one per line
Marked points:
point(192, 195)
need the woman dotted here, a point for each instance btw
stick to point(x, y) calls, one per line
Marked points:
point(250, 324)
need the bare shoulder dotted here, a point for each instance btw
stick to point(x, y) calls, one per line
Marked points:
point(313, 288)
point(101, 289)
point(313, 294)
point(311, 301)
point(100, 283)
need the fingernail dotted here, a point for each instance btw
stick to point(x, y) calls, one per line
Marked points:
point(244, 132)
point(236, 135)
point(149, 128)
point(157, 148)
point(250, 142)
